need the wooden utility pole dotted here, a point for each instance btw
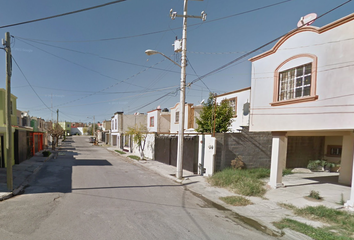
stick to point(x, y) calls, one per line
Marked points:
point(8, 111)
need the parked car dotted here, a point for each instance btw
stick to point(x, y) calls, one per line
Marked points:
point(92, 139)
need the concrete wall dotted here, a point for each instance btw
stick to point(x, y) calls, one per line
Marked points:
point(254, 148)
point(149, 149)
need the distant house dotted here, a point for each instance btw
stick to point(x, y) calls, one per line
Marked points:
point(239, 100)
point(120, 124)
point(158, 121)
point(66, 127)
point(302, 90)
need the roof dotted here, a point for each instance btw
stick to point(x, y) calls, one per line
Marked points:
point(317, 30)
point(240, 90)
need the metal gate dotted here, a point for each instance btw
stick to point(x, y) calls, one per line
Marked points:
point(166, 151)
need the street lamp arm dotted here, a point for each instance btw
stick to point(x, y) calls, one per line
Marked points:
point(150, 52)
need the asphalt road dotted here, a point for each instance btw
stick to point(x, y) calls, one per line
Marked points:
point(90, 193)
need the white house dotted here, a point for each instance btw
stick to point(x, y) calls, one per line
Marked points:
point(190, 113)
point(116, 129)
point(304, 86)
point(240, 102)
point(158, 121)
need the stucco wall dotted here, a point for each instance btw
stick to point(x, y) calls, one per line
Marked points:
point(242, 112)
point(332, 109)
point(149, 149)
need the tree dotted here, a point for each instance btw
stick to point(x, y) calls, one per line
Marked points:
point(223, 116)
point(56, 132)
point(139, 134)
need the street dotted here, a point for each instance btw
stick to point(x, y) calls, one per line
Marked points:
point(88, 193)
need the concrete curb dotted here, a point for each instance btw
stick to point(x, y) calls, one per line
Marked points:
point(24, 184)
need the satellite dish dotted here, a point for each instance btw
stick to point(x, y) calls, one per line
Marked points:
point(307, 20)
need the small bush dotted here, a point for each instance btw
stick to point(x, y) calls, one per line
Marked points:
point(237, 163)
point(46, 153)
point(315, 195)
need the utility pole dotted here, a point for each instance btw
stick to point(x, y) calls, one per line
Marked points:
point(57, 142)
point(173, 15)
point(9, 149)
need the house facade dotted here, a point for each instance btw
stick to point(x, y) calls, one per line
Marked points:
point(158, 121)
point(3, 152)
point(304, 86)
point(189, 118)
point(239, 100)
point(116, 129)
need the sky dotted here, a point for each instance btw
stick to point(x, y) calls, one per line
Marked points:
point(92, 63)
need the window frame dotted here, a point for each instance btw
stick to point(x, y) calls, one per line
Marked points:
point(235, 110)
point(152, 120)
point(311, 97)
point(177, 117)
point(330, 147)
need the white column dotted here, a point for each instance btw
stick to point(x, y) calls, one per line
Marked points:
point(278, 159)
point(346, 141)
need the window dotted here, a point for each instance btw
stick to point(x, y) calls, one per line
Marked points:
point(295, 82)
point(116, 123)
point(151, 121)
point(11, 107)
point(233, 105)
point(177, 117)
point(334, 151)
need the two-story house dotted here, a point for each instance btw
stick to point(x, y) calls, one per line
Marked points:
point(239, 100)
point(304, 86)
point(158, 120)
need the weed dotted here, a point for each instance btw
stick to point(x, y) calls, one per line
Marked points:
point(134, 157)
point(246, 182)
point(315, 233)
point(236, 200)
point(341, 202)
point(315, 195)
point(120, 152)
point(341, 222)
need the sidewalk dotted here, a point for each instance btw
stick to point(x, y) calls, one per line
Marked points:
point(23, 173)
point(264, 211)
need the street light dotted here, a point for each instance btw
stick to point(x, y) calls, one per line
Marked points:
point(150, 52)
point(181, 104)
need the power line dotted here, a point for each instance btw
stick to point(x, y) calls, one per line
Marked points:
point(63, 14)
point(30, 84)
point(262, 46)
point(88, 53)
point(170, 29)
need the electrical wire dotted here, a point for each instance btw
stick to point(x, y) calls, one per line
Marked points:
point(63, 14)
point(88, 53)
point(170, 29)
point(30, 83)
point(261, 47)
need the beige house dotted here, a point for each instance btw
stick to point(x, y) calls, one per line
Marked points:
point(304, 86)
